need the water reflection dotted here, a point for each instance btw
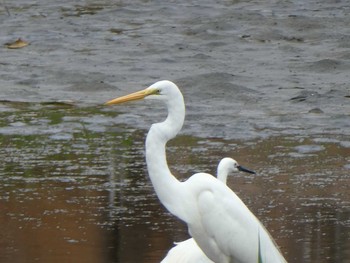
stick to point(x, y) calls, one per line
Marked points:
point(74, 187)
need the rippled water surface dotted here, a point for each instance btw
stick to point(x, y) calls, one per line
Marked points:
point(74, 188)
point(265, 82)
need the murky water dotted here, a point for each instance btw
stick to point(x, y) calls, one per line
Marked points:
point(265, 82)
point(74, 188)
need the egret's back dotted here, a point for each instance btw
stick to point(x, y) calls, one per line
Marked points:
point(226, 229)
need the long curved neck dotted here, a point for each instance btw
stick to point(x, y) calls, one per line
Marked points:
point(164, 183)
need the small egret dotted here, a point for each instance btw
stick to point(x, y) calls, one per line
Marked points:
point(220, 223)
point(188, 251)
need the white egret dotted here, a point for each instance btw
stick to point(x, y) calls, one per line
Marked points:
point(187, 251)
point(220, 223)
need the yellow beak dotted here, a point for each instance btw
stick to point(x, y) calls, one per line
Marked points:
point(133, 96)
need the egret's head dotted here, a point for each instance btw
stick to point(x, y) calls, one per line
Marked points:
point(231, 165)
point(161, 90)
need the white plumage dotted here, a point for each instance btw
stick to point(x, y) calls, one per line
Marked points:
point(188, 251)
point(220, 223)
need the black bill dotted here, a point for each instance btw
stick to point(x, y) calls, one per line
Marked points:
point(243, 169)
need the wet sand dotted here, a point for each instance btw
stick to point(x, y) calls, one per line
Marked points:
point(265, 81)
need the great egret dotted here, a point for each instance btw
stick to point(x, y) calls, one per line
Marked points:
point(187, 251)
point(220, 223)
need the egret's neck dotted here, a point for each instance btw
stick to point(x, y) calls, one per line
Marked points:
point(164, 183)
point(222, 174)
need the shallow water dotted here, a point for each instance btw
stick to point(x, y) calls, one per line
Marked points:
point(74, 187)
point(265, 82)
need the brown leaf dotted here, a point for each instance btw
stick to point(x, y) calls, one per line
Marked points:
point(19, 43)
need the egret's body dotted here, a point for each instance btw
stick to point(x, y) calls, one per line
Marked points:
point(188, 251)
point(220, 223)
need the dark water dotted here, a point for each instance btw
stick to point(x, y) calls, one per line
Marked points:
point(74, 188)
